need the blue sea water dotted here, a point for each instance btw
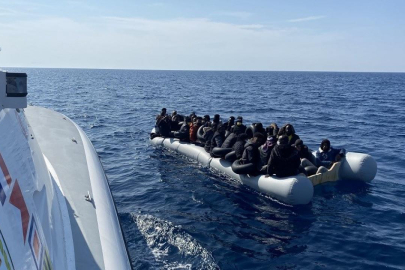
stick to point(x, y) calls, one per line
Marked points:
point(179, 215)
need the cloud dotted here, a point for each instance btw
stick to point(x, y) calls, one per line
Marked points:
point(18, 9)
point(180, 43)
point(138, 43)
point(9, 12)
point(236, 14)
point(253, 26)
point(310, 18)
point(81, 5)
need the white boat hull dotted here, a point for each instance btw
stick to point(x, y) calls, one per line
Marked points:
point(48, 166)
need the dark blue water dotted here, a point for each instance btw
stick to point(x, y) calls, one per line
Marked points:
point(179, 215)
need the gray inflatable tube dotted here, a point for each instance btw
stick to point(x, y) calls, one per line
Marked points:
point(289, 190)
point(357, 167)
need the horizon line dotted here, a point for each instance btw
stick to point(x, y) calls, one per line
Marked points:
point(208, 70)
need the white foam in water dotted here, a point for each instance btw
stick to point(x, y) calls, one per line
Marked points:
point(194, 199)
point(171, 246)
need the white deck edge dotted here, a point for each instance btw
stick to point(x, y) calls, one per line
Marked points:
point(68, 237)
point(112, 243)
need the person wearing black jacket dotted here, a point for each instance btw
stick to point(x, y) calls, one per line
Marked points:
point(305, 155)
point(208, 134)
point(162, 113)
point(251, 152)
point(272, 130)
point(266, 148)
point(239, 145)
point(206, 122)
point(216, 120)
point(184, 133)
point(163, 126)
point(232, 138)
point(302, 149)
point(174, 122)
point(239, 126)
point(289, 130)
point(284, 159)
point(259, 128)
point(218, 137)
point(230, 124)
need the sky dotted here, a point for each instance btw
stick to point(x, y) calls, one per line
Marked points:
point(324, 35)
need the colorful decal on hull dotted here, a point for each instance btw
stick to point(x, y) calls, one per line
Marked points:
point(38, 249)
point(18, 201)
point(35, 243)
point(47, 263)
point(5, 180)
point(5, 260)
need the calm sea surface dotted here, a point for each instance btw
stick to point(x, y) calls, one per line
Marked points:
point(179, 215)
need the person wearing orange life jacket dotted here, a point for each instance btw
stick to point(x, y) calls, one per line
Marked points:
point(194, 126)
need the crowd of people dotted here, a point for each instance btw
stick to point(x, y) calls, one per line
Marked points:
point(272, 150)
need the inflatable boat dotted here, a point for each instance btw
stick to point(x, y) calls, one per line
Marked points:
point(295, 190)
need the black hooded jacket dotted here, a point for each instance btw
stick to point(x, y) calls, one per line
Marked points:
point(259, 128)
point(239, 145)
point(239, 129)
point(251, 154)
point(174, 125)
point(164, 126)
point(305, 153)
point(217, 140)
point(208, 134)
point(292, 137)
point(183, 133)
point(284, 161)
point(265, 155)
